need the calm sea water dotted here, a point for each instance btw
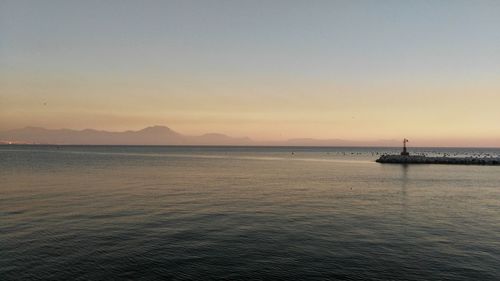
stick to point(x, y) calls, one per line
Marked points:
point(183, 213)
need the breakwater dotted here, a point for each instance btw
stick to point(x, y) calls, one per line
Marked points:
point(402, 159)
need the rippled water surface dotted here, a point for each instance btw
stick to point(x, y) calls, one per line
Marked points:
point(146, 213)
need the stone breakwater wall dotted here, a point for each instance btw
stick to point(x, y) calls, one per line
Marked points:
point(399, 159)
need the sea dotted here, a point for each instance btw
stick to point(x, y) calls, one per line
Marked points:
point(245, 213)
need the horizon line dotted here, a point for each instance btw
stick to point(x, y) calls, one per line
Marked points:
point(256, 146)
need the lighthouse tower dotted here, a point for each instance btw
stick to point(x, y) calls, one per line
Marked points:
point(405, 153)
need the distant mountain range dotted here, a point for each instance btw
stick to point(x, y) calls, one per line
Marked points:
point(155, 135)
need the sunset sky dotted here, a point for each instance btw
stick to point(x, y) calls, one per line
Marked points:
point(269, 70)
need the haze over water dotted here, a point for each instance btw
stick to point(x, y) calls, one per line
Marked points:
point(146, 213)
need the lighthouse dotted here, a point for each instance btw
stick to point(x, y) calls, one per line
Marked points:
point(405, 153)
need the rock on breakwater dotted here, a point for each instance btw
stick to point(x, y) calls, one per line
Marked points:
point(402, 159)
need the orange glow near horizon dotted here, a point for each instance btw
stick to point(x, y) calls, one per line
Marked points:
point(283, 110)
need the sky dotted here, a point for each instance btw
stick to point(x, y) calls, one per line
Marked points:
point(269, 70)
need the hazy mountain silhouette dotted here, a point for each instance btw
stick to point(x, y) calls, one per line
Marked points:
point(156, 135)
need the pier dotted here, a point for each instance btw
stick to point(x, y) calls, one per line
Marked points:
point(412, 159)
point(405, 158)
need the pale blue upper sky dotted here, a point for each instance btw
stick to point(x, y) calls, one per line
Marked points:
point(220, 46)
point(351, 38)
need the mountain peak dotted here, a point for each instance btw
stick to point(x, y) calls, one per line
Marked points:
point(156, 129)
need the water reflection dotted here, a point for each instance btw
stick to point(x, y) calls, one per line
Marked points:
point(404, 195)
point(404, 178)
